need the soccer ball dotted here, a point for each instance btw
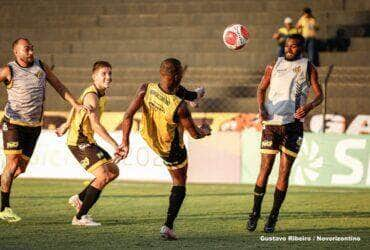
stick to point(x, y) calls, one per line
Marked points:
point(235, 36)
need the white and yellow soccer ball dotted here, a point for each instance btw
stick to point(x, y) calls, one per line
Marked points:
point(235, 36)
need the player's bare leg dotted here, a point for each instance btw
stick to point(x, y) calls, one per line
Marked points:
point(286, 163)
point(267, 161)
point(178, 193)
point(15, 165)
point(104, 175)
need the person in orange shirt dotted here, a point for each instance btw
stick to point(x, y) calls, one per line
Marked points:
point(307, 26)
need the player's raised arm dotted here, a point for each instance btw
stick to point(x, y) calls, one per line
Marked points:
point(91, 100)
point(261, 92)
point(187, 123)
point(60, 88)
point(303, 110)
point(128, 118)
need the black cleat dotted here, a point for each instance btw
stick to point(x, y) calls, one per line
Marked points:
point(252, 221)
point(270, 224)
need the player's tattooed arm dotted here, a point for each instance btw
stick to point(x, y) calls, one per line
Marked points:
point(187, 123)
point(128, 118)
point(305, 109)
point(91, 100)
point(261, 92)
point(60, 88)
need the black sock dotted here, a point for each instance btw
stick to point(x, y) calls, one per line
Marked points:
point(92, 195)
point(4, 200)
point(176, 198)
point(82, 195)
point(279, 197)
point(259, 192)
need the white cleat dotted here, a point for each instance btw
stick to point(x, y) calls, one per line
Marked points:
point(200, 94)
point(167, 233)
point(85, 221)
point(75, 202)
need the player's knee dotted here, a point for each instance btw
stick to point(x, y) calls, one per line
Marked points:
point(114, 172)
point(13, 163)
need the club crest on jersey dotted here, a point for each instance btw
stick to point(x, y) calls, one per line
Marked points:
point(100, 155)
point(299, 141)
point(297, 69)
point(85, 162)
point(39, 74)
point(5, 127)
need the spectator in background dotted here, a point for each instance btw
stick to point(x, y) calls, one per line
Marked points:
point(307, 26)
point(282, 34)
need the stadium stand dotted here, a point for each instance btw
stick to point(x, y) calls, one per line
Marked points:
point(136, 37)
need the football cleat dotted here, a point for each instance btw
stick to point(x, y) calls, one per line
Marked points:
point(200, 94)
point(252, 221)
point(271, 223)
point(85, 221)
point(75, 202)
point(9, 216)
point(167, 233)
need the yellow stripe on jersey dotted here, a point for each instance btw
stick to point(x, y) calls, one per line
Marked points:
point(80, 130)
point(158, 127)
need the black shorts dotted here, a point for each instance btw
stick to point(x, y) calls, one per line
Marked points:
point(19, 139)
point(286, 138)
point(177, 159)
point(90, 156)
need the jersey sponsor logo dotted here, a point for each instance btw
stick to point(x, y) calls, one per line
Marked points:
point(266, 143)
point(160, 97)
point(12, 144)
point(85, 162)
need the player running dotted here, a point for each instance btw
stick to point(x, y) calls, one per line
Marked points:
point(25, 80)
point(80, 141)
point(282, 112)
point(164, 118)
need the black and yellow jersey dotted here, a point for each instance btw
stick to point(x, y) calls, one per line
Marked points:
point(158, 125)
point(80, 130)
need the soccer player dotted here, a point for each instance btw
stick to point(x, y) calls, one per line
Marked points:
point(164, 118)
point(80, 141)
point(282, 112)
point(25, 79)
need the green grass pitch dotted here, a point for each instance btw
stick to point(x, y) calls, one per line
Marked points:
point(213, 216)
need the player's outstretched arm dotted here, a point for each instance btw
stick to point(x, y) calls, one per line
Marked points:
point(128, 119)
point(314, 79)
point(60, 88)
point(261, 92)
point(91, 100)
point(62, 129)
point(187, 122)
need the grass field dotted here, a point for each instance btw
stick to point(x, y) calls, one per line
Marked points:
point(213, 216)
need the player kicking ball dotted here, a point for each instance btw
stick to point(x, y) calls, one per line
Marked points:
point(165, 116)
point(80, 141)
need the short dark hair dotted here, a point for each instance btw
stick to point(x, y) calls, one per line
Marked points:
point(171, 66)
point(16, 41)
point(307, 10)
point(298, 37)
point(101, 64)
